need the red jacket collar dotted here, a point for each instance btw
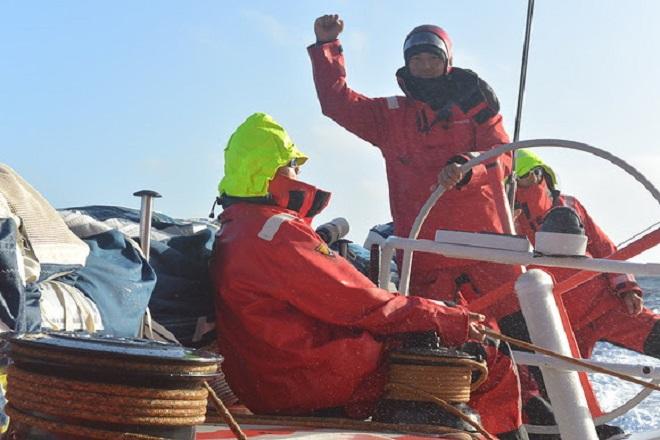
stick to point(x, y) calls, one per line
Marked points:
point(301, 197)
point(534, 200)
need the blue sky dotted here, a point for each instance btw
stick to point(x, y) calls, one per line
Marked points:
point(101, 99)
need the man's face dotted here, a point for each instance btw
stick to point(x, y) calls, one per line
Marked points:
point(291, 170)
point(427, 65)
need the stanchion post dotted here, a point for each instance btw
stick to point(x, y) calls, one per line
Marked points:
point(146, 213)
point(534, 289)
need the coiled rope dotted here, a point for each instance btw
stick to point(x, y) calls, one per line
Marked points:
point(450, 381)
point(58, 399)
point(74, 430)
point(443, 381)
point(98, 387)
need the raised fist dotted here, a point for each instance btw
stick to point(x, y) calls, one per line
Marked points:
point(328, 28)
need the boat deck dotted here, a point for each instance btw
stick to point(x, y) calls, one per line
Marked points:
point(217, 432)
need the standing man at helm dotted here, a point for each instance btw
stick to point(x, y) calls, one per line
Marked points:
point(607, 308)
point(446, 115)
point(301, 330)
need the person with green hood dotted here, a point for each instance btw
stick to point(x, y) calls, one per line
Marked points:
point(610, 306)
point(301, 330)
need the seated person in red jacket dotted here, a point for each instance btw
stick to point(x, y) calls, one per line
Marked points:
point(610, 306)
point(300, 328)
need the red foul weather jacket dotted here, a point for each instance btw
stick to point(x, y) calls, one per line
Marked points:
point(595, 310)
point(417, 143)
point(535, 201)
point(299, 327)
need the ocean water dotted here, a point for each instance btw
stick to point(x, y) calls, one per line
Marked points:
point(613, 392)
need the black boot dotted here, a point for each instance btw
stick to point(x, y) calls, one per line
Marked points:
point(539, 412)
point(609, 432)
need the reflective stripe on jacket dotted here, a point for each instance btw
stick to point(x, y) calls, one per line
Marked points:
point(298, 325)
point(416, 147)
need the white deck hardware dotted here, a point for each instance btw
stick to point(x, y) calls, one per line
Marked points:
point(542, 360)
point(503, 256)
point(557, 243)
point(534, 289)
point(494, 241)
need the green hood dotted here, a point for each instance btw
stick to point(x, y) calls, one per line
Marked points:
point(255, 151)
point(526, 161)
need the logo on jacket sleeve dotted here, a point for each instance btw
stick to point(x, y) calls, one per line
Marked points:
point(325, 250)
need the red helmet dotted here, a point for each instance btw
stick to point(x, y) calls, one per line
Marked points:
point(428, 38)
